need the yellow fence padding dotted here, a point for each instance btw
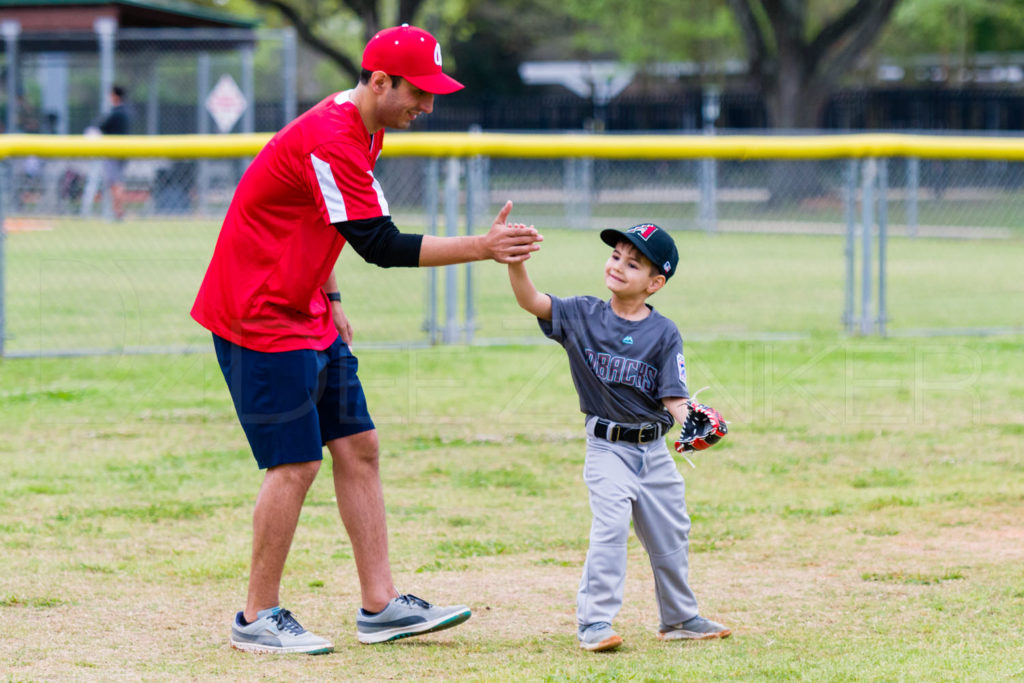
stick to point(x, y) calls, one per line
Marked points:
point(553, 146)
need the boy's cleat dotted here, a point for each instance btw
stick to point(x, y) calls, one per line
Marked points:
point(598, 637)
point(696, 628)
point(276, 631)
point(407, 616)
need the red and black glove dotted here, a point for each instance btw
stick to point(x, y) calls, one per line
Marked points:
point(702, 429)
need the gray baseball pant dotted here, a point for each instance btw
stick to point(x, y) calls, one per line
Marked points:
point(638, 481)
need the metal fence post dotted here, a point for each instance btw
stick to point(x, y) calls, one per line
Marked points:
point(474, 193)
point(289, 87)
point(469, 313)
point(708, 195)
point(106, 30)
point(588, 190)
point(571, 189)
point(11, 28)
point(248, 88)
point(913, 184)
point(433, 184)
point(883, 231)
point(579, 186)
point(869, 176)
point(153, 100)
point(710, 110)
point(850, 247)
point(4, 163)
point(451, 220)
point(202, 127)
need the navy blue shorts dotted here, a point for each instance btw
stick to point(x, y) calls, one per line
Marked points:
point(291, 403)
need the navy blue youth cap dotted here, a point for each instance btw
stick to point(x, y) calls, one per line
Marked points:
point(653, 242)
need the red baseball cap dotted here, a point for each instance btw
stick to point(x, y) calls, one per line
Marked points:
point(411, 53)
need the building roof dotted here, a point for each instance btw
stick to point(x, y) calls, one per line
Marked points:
point(54, 16)
point(161, 25)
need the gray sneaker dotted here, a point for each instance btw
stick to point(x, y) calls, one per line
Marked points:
point(407, 616)
point(276, 631)
point(696, 628)
point(598, 637)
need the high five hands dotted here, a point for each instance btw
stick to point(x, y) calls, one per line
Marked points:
point(510, 242)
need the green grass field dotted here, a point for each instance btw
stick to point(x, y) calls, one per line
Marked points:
point(128, 286)
point(862, 521)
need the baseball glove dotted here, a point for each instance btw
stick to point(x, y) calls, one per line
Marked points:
point(703, 428)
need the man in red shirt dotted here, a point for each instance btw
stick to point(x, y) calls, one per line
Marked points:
point(282, 338)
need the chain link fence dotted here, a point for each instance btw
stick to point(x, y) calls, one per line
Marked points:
point(167, 74)
point(169, 77)
point(897, 246)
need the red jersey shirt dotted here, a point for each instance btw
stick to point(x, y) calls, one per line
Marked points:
point(277, 245)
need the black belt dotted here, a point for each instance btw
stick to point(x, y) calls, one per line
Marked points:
point(605, 429)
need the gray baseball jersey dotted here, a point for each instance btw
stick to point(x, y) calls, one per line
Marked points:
point(621, 368)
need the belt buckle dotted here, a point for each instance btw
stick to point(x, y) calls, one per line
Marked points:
point(641, 438)
point(615, 432)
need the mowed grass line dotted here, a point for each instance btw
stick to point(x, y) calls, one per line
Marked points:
point(127, 286)
point(861, 522)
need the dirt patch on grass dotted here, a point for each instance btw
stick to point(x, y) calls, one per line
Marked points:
point(816, 577)
point(996, 538)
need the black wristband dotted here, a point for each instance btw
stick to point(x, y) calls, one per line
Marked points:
point(334, 296)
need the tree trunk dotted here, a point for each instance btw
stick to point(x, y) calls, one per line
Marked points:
point(795, 102)
point(798, 72)
point(795, 71)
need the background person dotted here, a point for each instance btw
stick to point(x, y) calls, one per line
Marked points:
point(282, 338)
point(117, 121)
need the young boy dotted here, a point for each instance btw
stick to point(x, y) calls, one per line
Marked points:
point(627, 364)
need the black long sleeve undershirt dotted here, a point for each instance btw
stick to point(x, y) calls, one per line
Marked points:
point(378, 241)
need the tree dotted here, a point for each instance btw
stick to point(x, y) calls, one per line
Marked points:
point(645, 32)
point(954, 30)
point(309, 17)
point(493, 37)
point(796, 62)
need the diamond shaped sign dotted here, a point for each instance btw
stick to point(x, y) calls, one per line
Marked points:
point(226, 103)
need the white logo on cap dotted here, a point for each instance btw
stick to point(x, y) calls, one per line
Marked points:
point(437, 54)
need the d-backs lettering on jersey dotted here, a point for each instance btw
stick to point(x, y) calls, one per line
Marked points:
point(277, 245)
point(622, 370)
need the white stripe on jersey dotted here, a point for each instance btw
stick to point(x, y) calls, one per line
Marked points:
point(333, 200)
point(384, 210)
